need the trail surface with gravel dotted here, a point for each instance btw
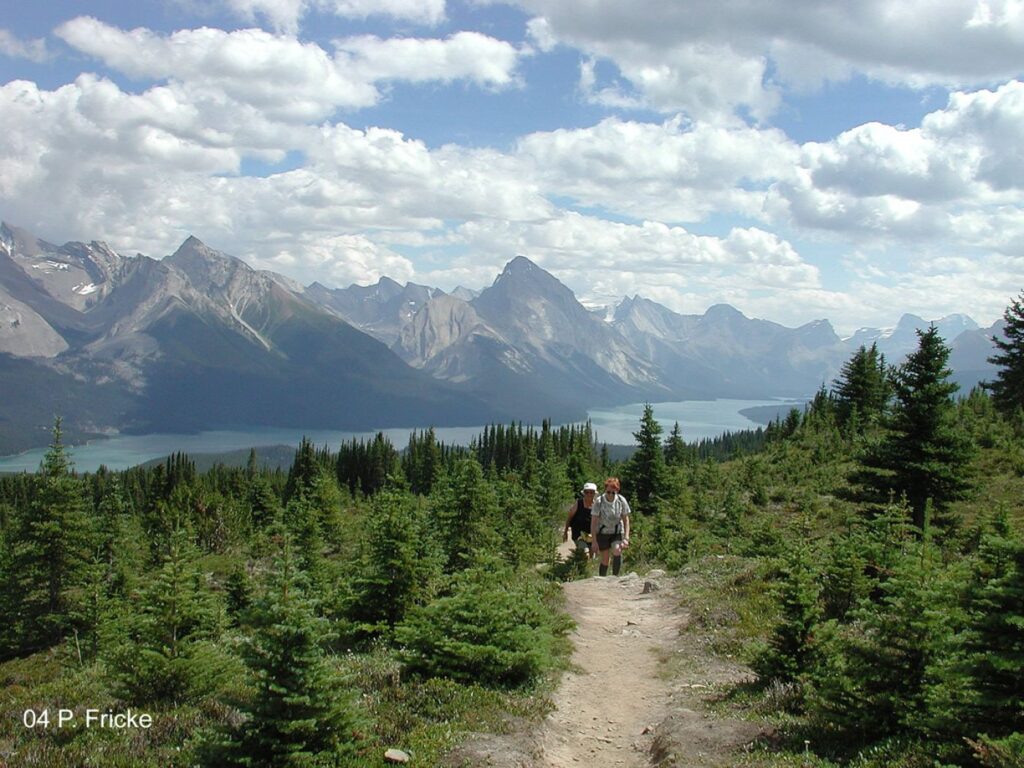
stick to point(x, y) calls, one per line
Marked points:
point(637, 693)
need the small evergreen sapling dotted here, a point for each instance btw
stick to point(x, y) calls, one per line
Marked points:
point(300, 714)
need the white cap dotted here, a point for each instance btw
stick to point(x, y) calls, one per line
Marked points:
point(589, 487)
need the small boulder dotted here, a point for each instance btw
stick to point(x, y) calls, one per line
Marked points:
point(396, 756)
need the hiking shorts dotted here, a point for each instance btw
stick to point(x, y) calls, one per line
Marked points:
point(606, 540)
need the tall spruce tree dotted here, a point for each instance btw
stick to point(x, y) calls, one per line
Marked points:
point(862, 390)
point(675, 447)
point(645, 473)
point(925, 453)
point(50, 560)
point(1008, 388)
point(466, 520)
point(790, 643)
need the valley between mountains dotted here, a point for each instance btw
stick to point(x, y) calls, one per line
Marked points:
point(199, 340)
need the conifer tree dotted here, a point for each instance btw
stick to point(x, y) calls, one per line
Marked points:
point(790, 644)
point(862, 390)
point(465, 517)
point(925, 453)
point(1008, 388)
point(54, 548)
point(872, 677)
point(552, 483)
point(645, 474)
point(527, 523)
point(982, 688)
point(300, 714)
point(399, 566)
point(167, 649)
point(305, 470)
point(493, 628)
point(675, 448)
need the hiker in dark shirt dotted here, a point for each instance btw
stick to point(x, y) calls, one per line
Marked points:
point(578, 520)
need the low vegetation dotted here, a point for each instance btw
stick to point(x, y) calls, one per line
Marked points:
point(864, 557)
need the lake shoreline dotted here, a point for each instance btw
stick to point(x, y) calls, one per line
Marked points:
point(699, 419)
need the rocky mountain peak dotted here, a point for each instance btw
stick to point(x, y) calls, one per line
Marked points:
point(206, 268)
point(523, 281)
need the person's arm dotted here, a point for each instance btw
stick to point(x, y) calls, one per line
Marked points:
point(568, 521)
point(625, 521)
point(595, 517)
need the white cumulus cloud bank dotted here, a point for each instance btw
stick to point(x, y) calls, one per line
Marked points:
point(712, 58)
point(601, 206)
point(285, 78)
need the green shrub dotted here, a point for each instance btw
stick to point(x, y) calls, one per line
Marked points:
point(493, 628)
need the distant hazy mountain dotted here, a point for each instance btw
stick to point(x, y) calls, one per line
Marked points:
point(725, 353)
point(200, 340)
point(381, 310)
point(529, 342)
point(196, 341)
point(896, 343)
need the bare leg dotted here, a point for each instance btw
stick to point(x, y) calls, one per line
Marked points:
point(616, 557)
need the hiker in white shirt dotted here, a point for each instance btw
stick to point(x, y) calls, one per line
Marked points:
point(609, 526)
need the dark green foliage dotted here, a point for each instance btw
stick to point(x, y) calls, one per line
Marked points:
point(464, 515)
point(50, 555)
point(525, 526)
point(423, 461)
point(872, 676)
point(790, 644)
point(366, 466)
point(309, 465)
point(924, 454)
point(166, 648)
point(862, 390)
point(676, 452)
point(644, 479)
point(492, 628)
point(300, 713)
point(399, 566)
point(982, 690)
point(1008, 388)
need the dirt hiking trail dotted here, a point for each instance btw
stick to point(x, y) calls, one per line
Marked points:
point(608, 705)
point(637, 692)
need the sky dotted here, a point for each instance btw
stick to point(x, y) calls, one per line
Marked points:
point(798, 160)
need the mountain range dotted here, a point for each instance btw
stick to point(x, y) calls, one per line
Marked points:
point(200, 340)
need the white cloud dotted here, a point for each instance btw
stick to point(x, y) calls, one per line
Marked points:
point(143, 169)
point(283, 77)
point(338, 260)
point(711, 57)
point(286, 78)
point(286, 15)
point(575, 246)
point(463, 56)
point(12, 46)
point(955, 179)
point(422, 11)
point(673, 171)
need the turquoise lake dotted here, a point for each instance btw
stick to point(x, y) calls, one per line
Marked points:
point(698, 419)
